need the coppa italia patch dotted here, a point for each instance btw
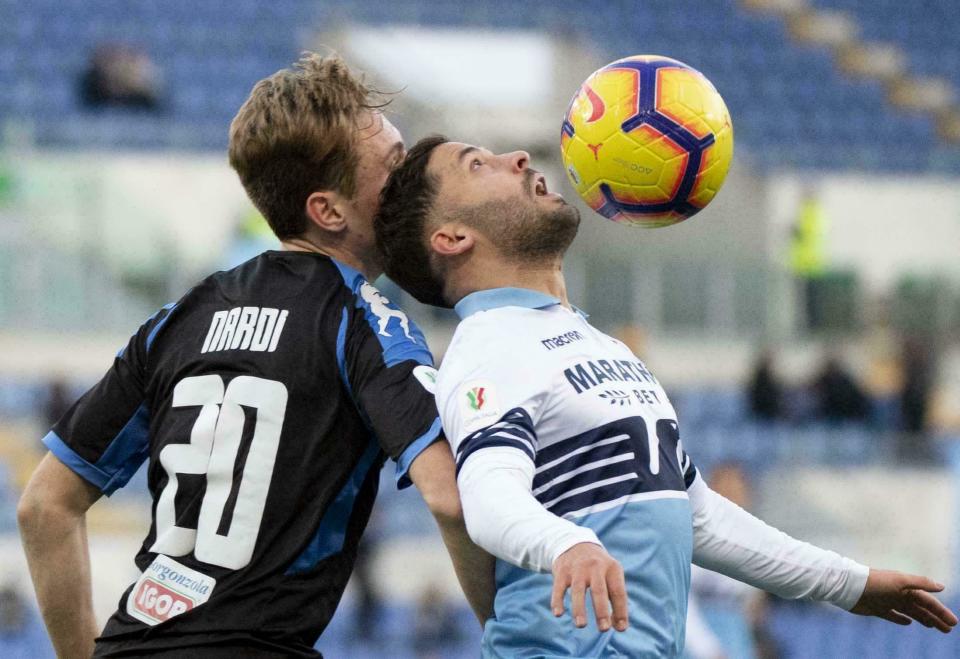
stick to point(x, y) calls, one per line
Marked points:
point(167, 589)
point(478, 405)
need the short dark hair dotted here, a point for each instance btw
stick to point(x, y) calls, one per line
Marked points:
point(405, 203)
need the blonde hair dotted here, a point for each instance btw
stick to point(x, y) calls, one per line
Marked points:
point(296, 134)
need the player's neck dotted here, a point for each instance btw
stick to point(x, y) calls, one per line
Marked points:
point(369, 267)
point(545, 277)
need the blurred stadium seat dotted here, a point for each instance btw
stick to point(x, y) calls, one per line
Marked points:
point(927, 32)
point(792, 108)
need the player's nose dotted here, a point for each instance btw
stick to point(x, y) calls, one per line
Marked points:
point(517, 160)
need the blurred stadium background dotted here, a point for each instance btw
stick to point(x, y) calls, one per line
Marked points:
point(806, 325)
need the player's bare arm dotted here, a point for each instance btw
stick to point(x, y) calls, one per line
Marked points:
point(433, 474)
point(51, 515)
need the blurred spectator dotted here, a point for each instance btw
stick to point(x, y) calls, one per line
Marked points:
point(13, 612)
point(807, 257)
point(733, 613)
point(22, 633)
point(765, 391)
point(436, 628)
point(120, 76)
point(883, 377)
point(918, 378)
point(57, 403)
point(839, 397)
point(764, 643)
point(368, 610)
point(251, 236)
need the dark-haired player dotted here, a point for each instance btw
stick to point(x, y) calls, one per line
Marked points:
point(265, 400)
point(568, 450)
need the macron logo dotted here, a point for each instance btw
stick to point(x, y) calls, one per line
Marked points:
point(562, 340)
point(245, 328)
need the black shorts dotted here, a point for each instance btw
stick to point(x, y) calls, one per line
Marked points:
point(221, 651)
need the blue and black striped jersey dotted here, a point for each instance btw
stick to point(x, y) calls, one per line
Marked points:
point(265, 402)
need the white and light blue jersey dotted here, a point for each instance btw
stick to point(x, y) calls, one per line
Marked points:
point(524, 371)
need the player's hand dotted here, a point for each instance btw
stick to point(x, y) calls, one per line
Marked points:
point(900, 598)
point(588, 565)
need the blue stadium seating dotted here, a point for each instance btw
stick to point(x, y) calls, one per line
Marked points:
point(791, 107)
point(927, 31)
point(29, 642)
point(808, 631)
point(393, 635)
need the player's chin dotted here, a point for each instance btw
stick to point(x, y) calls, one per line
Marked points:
point(560, 212)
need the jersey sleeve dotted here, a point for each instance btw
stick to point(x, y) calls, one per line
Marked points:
point(490, 407)
point(488, 401)
point(729, 540)
point(104, 436)
point(389, 372)
point(687, 468)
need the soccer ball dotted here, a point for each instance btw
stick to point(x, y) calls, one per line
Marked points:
point(647, 141)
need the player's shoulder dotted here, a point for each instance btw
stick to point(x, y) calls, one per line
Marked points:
point(478, 338)
point(500, 324)
point(494, 343)
point(263, 296)
point(275, 274)
point(375, 315)
point(508, 333)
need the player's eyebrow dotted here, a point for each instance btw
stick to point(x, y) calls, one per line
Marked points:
point(464, 152)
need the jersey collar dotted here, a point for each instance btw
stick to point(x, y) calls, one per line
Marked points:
point(350, 275)
point(494, 298)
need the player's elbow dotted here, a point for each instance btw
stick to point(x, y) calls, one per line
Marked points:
point(31, 509)
point(53, 495)
point(434, 474)
point(445, 506)
point(482, 522)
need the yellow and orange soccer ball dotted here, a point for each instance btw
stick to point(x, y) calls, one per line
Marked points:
point(647, 141)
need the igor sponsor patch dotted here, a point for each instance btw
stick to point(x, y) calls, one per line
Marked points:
point(167, 589)
point(478, 405)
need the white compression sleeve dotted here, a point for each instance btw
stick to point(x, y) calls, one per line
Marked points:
point(729, 540)
point(503, 517)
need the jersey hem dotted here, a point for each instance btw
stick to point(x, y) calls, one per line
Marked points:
point(89, 472)
point(419, 445)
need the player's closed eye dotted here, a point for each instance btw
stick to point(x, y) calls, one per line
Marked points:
point(475, 163)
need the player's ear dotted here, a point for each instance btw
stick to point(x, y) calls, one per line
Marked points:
point(452, 239)
point(325, 210)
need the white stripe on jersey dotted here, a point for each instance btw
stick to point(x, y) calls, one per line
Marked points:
point(524, 438)
point(640, 496)
point(591, 486)
point(587, 467)
point(582, 449)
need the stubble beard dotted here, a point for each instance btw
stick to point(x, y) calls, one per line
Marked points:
point(523, 231)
